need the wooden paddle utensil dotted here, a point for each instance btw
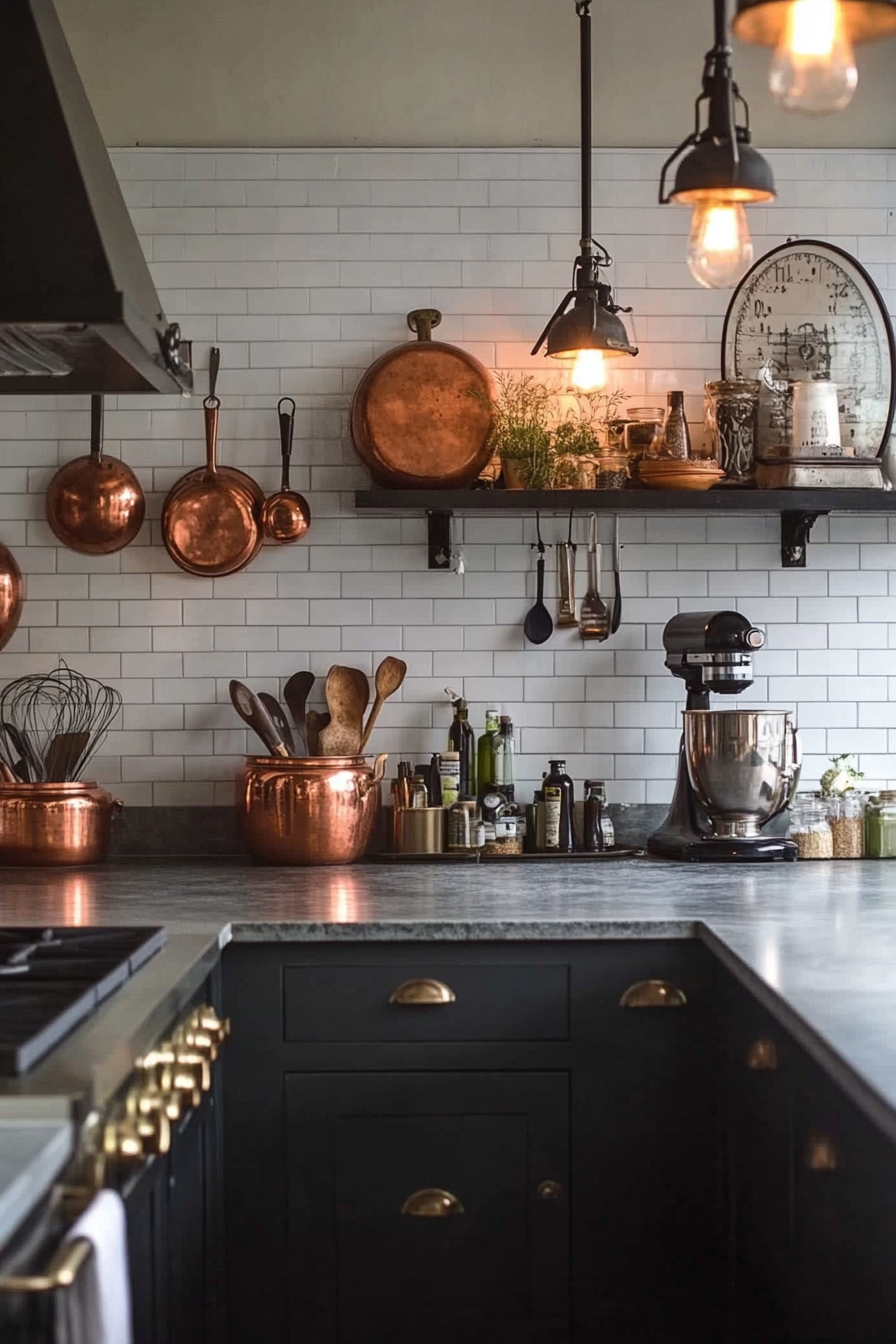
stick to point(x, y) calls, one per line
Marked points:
point(295, 693)
point(389, 676)
point(315, 723)
point(348, 692)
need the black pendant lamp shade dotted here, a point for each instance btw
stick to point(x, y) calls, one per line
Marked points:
point(721, 165)
point(592, 322)
point(763, 21)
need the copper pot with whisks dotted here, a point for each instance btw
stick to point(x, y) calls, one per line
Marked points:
point(12, 591)
point(95, 504)
point(55, 825)
point(305, 810)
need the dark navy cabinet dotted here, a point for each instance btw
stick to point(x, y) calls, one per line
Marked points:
point(572, 1134)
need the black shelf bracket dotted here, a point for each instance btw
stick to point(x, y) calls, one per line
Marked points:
point(438, 538)
point(795, 529)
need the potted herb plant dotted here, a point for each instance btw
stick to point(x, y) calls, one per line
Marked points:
point(521, 430)
point(588, 432)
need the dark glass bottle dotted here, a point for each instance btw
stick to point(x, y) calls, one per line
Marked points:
point(462, 740)
point(676, 435)
point(559, 804)
point(594, 840)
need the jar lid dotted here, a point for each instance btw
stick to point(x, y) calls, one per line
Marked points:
point(887, 795)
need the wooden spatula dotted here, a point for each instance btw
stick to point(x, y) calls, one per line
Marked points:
point(389, 676)
point(295, 693)
point(348, 692)
point(315, 723)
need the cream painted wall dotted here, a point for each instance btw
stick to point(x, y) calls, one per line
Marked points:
point(424, 73)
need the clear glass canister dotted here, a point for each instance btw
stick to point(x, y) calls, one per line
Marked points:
point(810, 829)
point(880, 825)
point(731, 408)
point(847, 821)
point(611, 471)
point(643, 423)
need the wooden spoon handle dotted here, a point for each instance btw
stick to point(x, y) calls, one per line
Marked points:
point(372, 717)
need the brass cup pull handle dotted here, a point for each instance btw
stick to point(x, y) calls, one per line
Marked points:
point(820, 1153)
point(653, 994)
point(61, 1272)
point(431, 1203)
point(422, 992)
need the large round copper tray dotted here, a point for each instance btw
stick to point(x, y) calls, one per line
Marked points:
point(421, 415)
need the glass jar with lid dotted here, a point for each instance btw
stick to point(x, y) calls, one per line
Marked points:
point(643, 422)
point(611, 471)
point(847, 820)
point(880, 825)
point(810, 829)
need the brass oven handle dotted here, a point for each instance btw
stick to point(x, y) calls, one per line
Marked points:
point(61, 1272)
point(431, 1202)
point(653, 994)
point(762, 1055)
point(422, 992)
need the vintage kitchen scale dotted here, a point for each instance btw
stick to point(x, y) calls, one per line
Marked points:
point(808, 311)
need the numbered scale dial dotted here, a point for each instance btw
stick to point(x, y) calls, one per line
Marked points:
point(805, 311)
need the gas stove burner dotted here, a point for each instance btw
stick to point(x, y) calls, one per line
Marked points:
point(51, 979)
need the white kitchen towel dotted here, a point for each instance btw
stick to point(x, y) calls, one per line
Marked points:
point(96, 1309)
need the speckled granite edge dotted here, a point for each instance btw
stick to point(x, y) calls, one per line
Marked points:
point(460, 931)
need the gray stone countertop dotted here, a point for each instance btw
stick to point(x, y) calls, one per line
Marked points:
point(816, 942)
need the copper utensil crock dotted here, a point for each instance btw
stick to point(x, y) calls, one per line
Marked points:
point(12, 591)
point(55, 824)
point(95, 504)
point(308, 810)
point(286, 516)
point(211, 518)
point(421, 415)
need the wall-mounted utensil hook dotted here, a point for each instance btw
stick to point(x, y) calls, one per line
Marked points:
point(438, 538)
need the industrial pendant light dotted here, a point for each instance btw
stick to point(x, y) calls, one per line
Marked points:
point(591, 329)
point(720, 174)
point(814, 65)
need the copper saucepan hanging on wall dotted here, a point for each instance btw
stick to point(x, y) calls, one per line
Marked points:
point(12, 593)
point(211, 518)
point(95, 504)
point(421, 415)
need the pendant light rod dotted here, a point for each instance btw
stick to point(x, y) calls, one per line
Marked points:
point(583, 9)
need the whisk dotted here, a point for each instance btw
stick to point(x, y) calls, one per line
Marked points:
point(51, 725)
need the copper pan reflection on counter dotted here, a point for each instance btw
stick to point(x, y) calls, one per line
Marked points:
point(72, 898)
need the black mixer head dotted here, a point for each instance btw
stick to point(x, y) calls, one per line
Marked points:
point(712, 650)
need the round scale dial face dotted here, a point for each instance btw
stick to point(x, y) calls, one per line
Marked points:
point(809, 312)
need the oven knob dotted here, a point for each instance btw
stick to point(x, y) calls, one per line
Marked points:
point(207, 1020)
point(146, 1110)
point(193, 1039)
point(198, 1065)
point(121, 1140)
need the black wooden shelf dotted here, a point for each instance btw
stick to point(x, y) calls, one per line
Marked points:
point(719, 499)
point(799, 509)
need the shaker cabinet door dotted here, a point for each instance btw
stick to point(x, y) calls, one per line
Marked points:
point(418, 1210)
point(146, 1209)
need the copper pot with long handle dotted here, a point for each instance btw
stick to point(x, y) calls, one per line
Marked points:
point(211, 518)
point(12, 593)
point(95, 504)
point(287, 515)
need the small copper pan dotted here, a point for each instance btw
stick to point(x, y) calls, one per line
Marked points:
point(421, 415)
point(95, 504)
point(11, 595)
point(211, 518)
point(286, 516)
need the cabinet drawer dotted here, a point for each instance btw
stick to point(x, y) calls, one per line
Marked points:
point(490, 1003)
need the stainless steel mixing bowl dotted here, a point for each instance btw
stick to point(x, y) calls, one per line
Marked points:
point(743, 765)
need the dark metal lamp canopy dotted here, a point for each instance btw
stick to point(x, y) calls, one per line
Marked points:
point(763, 21)
point(592, 322)
point(722, 167)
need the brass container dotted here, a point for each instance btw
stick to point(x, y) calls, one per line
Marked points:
point(306, 810)
point(418, 830)
point(55, 824)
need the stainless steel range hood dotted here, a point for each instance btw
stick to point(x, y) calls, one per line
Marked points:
point(78, 309)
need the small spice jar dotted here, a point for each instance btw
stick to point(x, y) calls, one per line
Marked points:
point(847, 820)
point(810, 829)
point(880, 825)
point(611, 471)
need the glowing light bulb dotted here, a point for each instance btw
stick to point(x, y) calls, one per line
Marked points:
point(814, 66)
point(589, 371)
point(720, 247)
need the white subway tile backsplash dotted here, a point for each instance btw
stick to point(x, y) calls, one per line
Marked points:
point(302, 265)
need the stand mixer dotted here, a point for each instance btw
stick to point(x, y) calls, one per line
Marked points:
point(737, 769)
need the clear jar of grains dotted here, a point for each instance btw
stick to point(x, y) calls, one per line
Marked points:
point(810, 829)
point(847, 820)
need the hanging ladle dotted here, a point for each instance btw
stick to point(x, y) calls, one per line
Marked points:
point(538, 625)
point(286, 515)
